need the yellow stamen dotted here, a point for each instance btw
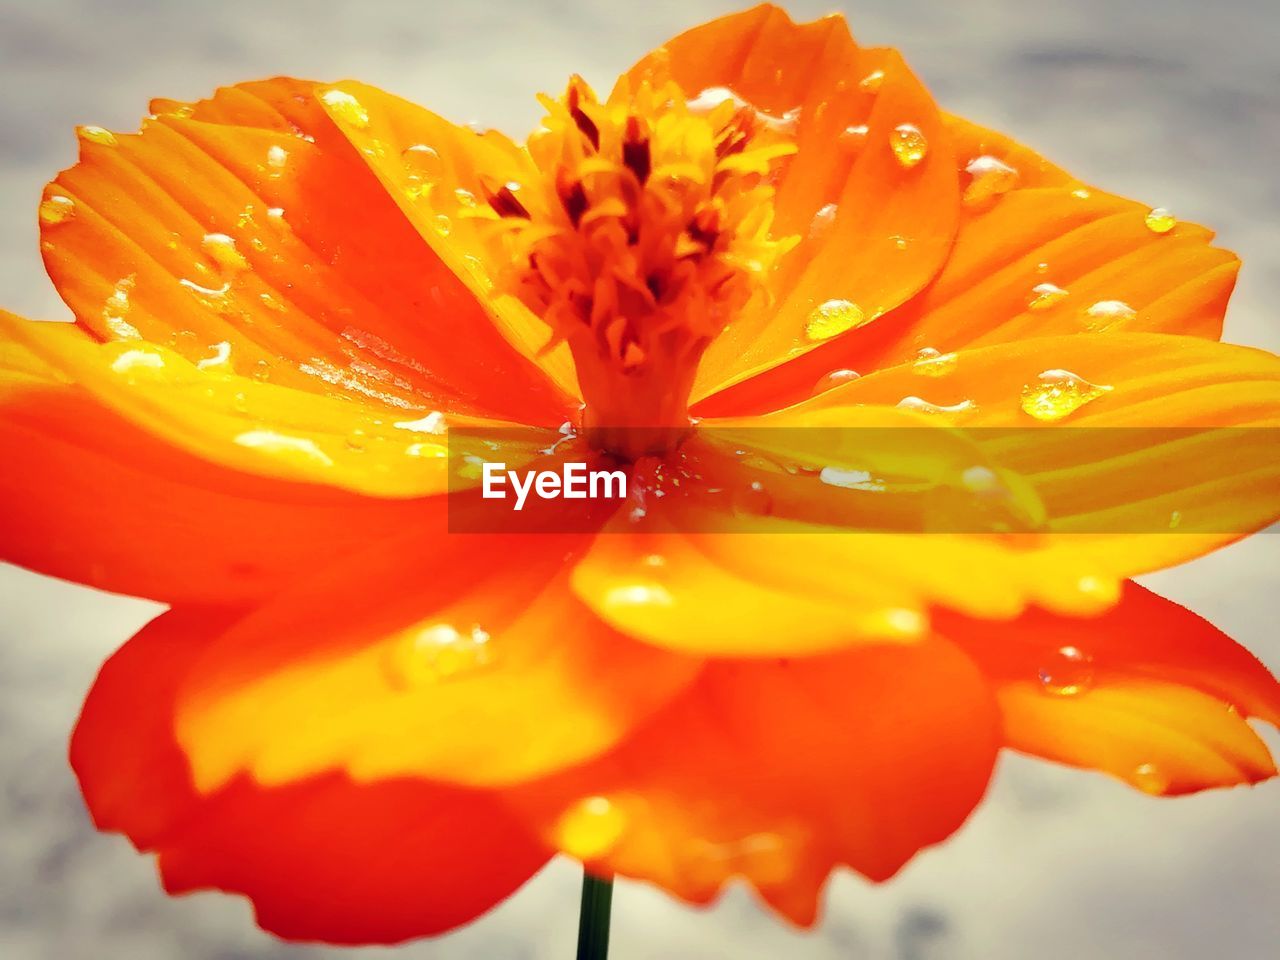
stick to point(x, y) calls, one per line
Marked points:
point(646, 230)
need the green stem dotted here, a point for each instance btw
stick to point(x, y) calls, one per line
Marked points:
point(593, 921)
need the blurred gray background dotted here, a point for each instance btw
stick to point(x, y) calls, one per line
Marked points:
point(1175, 102)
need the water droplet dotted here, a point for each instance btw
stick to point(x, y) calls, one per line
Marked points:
point(56, 209)
point(932, 363)
point(832, 318)
point(466, 199)
point(433, 422)
point(98, 135)
point(1080, 193)
point(1160, 220)
point(991, 177)
point(438, 652)
point(277, 157)
point(1045, 295)
point(1175, 519)
point(132, 361)
point(921, 405)
point(261, 371)
point(443, 224)
point(357, 440)
point(899, 241)
point(590, 828)
point(834, 379)
point(853, 137)
point(850, 479)
point(822, 221)
point(872, 82)
point(284, 446)
point(1149, 778)
point(1106, 314)
point(1068, 672)
point(275, 213)
point(222, 249)
point(116, 309)
point(753, 500)
point(1056, 394)
point(221, 356)
point(346, 108)
point(908, 144)
point(271, 303)
point(423, 168)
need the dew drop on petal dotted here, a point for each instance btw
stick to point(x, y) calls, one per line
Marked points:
point(1160, 220)
point(833, 379)
point(443, 224)
point(56, 209)
point(753, 500)
point(991, 177)
point(1106, 314)
point(465, 197)
point(221, 357)
point(1149, 778)
point(346, 108)
point(116, 309)
point(98, 135)
point(872, 82)
point(832, 318)
point(920, 405)
point(423, 168)
point(1046, 295)
point(1056, 394)
point(1067, 672)
point(590, 828)
point(222, 249)
point(853, 137)
point(277, 157)
point(908, 144)
point(438, 651)
point(932, 363)
point(822, 221)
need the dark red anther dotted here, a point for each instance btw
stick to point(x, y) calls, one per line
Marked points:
point(572, 196)
point(586, 126)
point(635, 150)
point(503, 200)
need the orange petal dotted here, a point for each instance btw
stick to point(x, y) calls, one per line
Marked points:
point(238, 422)
point(245, 231)
point(429, 857)
point(435, 170)
point(873, 229)
point(1107, 485)
point(92, 498)
point(1147, 692)
point(463, 659)
point(781, 771)
point(1035, 262)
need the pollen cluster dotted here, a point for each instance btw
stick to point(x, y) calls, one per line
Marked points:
point(645, 230)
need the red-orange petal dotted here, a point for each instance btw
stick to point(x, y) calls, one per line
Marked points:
point(428, 857)
point(872, 229)
point(91, 497)
point(781, 771)
point(246, 230)
point(1147, 692)
point(464, 659)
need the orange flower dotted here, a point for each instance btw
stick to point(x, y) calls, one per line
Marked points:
point(289, 295)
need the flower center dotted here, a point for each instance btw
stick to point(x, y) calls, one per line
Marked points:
point(645, 231)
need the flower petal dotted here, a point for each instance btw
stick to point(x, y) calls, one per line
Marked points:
point(1147, 692)
point(1216, 465)
point(244, 230)
point(781, 771)
point(1040, 260)
point(465, 660)
point(86, 487)
point(238, 422)
point(873, 227)
point(435, 171)
point(429, 857)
